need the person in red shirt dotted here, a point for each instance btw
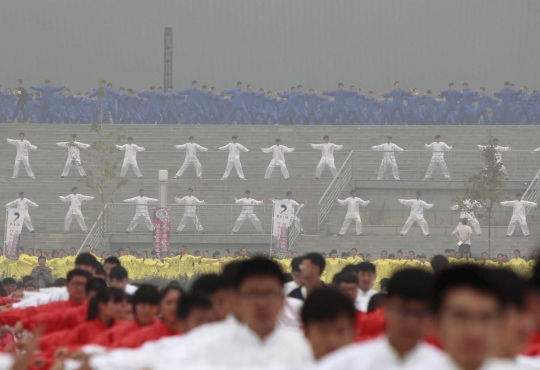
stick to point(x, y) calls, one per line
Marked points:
point(533, 306)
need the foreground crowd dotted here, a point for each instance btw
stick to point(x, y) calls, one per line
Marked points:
point(238, 106)
point(452, 317)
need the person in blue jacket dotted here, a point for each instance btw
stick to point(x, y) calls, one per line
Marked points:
point(484, 102)
point(451, 97)
point(465, 109)
point(535, 106)
point(238, 112)
point(313, 101)
point(257, 105)
point(270, 109)
point(430, 109)
point(373, 109)
point(339, 112)
point(162, 103)
point(293, 113)
point(415, 101)
point(397, 109)
point(507, 96)
point(353, 114)
point(152, 113)
point(49, 103)
point(324, 114)
point(194, 112)
point(386, 107)
point(102, 102)
point(524, 107)
point(111, 103)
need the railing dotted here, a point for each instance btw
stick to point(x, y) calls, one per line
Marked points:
point(533, 191)
point(93, 238)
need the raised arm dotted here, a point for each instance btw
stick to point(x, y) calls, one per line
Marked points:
point(504, 148)
point(397, 148)
point(201, 148)
point(180, 200)
point(509, 203)
point(405, 202)
point(267, 150)
point(363, 202)
point(447, 147)
point(288, 150)
point(86, 197)
point(243, 148)
point(121, 147)
point(530, 204)
point(30, 203)
point(329, 93)
point(139, 148)
point(426, 205)
point(130, 200)
point(83, 145)
point(428, 146)
point(225, 147)
point(11, 141)
point(455, 207)
point(341, 202)
point(11, 204)
point(316, 146)
point(152, 200)
point(65, 199)
point(180, 147)
point(62, 144)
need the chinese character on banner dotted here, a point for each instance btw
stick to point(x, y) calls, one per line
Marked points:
point(14, 224)
point(162, 231)
point(283, 213)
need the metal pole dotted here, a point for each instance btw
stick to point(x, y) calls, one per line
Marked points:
point(5, 236)
point(163, 176)
point(168, 59)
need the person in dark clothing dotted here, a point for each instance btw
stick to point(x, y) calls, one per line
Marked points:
point(22, 99)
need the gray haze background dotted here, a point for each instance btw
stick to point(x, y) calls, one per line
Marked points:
point(272, 43)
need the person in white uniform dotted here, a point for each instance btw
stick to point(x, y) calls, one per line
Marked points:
point(23, 203)
point(353, 213)
point(22, 155)
point(388, 158)
point(74, 209)
point(74, 155)
point(141, 210)
point(467, 211)
point(130, 158)
point(327, 158)
point(234, 149)
point(498, 155)
point(190, 211)
point(296, 208)
point(417, 214)
point(191, 157)
point(519, 215)
point(278, 159)
point(247, 212)
point(437, 158)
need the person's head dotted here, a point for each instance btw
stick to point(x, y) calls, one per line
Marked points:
point(340, 86)
point(206, 254)
point(353, 193)
point(312, 267)
point(42, 261)
point(93, 285)
point(118, 277)
point(412, 255)
point(193, 310)
point(247, 193)
point(106, 305)
point(408, 307)
point(517, 253)
point(368, 257)
point(9, 285)
point(438, 138)
point(326, 139)
point(328, 317)
point(31, 252)
point(384, 254)
point(75, 190)
point(467, 308)
point(354, 252)
point(439, 262)
point(258, 294)
point(168, 303)
point(451, 86)
point(293, 90)
point(397, 84)
point(507, 84)
point(458, 255)
point(85, 261)
point(183, 250)
point(366, 275)
point(30, 287)
point(289, 195)
point(21, 194)
point(47, 82)
point(519, 196)
point(110, 263)
point(418, 195)
point(278, 141)
point(102, 83)
point(215, 288)
point(21, 135)
point(239, 85)
point(347, 284)
point(76, 284)
point(146, 304)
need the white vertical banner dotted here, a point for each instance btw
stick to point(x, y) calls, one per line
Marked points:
point(14, 224)
point(282, 218)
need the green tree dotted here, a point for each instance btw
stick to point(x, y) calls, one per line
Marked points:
point(486, 186)
point(104, 182)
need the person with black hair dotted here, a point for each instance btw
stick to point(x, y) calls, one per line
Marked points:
point(118, 278)
point(130, 158)
point(22, 146)
point(519, 214)
point(353, 212)
point(388, 158)
point(9, 285)
point(328, 317)
point(278, 159)
point(194, 310)
point(296, 275)
point(417, 214)
point(190, 211)
point(41, 273)
point(87, 262)
point(234, 148)
point(214, 287)
point(247, 212)
point(76, 200)
point(366, 273)
point(74, 155)
point(311, 269)
point(191, 157)
point(110, 262)
point(22, 203)
point(437, 158)
point(498, 155)
point(327, 158)
point(141, 210)
point(20, 106)
point(466, 209)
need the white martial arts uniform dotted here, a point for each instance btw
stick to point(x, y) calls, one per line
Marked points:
point(75, 210)
point(518, 216)
point(437, 158)
point(353, 213)
point(141, 210)
point(417, 214)
point(388, 159)
point(234, 159)
point(74, 156)
point(362, 299)
point(468, 213)
point(296, 208)
point(130, 158)
point(22, 156)
point(247, 212)
point(327, 158)
point(23, 205)
point(498, 155)
point(191, 158)
point(189, 212)
point(278, 159)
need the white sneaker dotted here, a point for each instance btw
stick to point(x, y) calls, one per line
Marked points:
point(175, 177)
point(14, 177)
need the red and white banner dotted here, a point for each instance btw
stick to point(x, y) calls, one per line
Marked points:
point(14, 224)
point(162, 231)
point(283, 215)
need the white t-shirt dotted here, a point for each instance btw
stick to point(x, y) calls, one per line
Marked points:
point(463, 231)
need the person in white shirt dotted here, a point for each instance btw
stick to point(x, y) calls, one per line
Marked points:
point(74, 209)
point(74, 155)
point(23, 203)
point(130, 158)
point(388, 158)
point(247, 212)
point(141, 210)
point(190, 211)
point(295, 273)
point(278, 159)
point(463, 234)
point(327, 158)
point(22, 155)
point(191, 157)
point(467, 211)
point(234, 149)
point(366, 279)
point(296, 209)
point(437, 158)
point(416, 215)
point(498, 155)
point(353, 213)
point(519, 215)
point(408, 315)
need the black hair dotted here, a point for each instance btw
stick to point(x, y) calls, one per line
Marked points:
point(78, 272)
point(239, 83)
point(465, 84)
point(257, 267)
point(428, 92)
point(152, 87)
point(419, 193)
point(208, 284)
point(171, 287)
point(278, 140)
point(21, 133)
point(327, 304)
point(512, 287)
point(247, 192)
point(506, 83)
point(74, 135)
point(451, 84)
point(365, 266)
point(439, 262)
point(412, 284)
point(73, 188)
point(60, 282)
point(30, 285)
point(189, 189)
point(191, 137)
point(437, 136)
point(345, 278)
point(27, 279)
point(112, 260)
point(118, 273)
point(95, 284)
point(146, 294)
point(340, 84)
point(352, 191)
point(204, 86)
point(289, 192)
point(375, 302)
point(317, 260)
point(234, 137)
point(103, 296)
point(191, 301)
point(395, 83)
point(40, 257)
point(518, 195)
point(8, 281)
point(483, 88)
point(295, 264)
point(130, 138)
point(86, 259)
point(47, 81)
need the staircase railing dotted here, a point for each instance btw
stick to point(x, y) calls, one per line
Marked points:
point(533, 191)
point(93, 238)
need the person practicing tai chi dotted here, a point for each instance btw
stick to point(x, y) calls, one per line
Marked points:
point(74, 155)
point(467, 211)
point(296, 208)
point(437, 158)
point(191, 157)
point(130, 158)
point(498, 155)
point(23, 203)
point(519, 215)
point(141, 210)
point(278, 159)
point(74, 209)
point(388, 157)
point(327, 158)
point(234, 149)
point(190, 211)
point(23, 146)
point(353, 212)
point(417, 214)
point(247, 212)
